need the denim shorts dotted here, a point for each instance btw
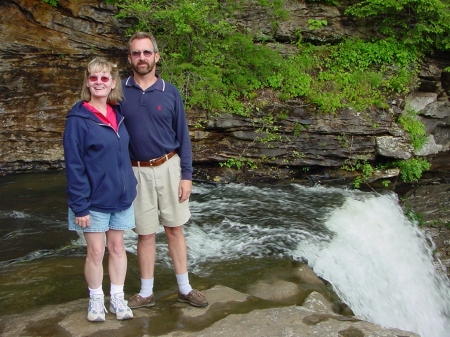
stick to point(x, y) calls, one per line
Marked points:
point(102, 222)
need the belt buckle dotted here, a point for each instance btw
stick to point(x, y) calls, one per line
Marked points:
point(150, 162)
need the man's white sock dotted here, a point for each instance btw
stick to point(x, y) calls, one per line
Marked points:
point(146, 287)
point(183, 283)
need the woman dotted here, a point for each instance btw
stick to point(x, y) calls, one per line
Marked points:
point(101, 185)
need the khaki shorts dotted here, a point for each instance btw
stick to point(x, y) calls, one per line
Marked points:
point(157, 197)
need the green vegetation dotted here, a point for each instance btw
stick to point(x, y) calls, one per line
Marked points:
point(411, 169)
point(316, 24)
point(361, 74)
point(366, 171)
point(221, 68)
point(420, 24)
point(414, 216)
point(53, 3)
point(268, 132)
point(239, 163)
point(327, 2)
point(363, 167)
point(415, 128)
point(297, 129)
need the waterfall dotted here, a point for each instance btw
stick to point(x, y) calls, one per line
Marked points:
point(380, 264)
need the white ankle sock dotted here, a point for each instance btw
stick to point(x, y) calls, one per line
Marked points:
point(96, 292)
point(146, 287)
point(183, 283)
point(116, 289)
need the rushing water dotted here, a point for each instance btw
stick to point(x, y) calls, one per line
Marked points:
point(378, 262)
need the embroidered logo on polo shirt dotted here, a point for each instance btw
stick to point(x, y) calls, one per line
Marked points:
point(159, 108)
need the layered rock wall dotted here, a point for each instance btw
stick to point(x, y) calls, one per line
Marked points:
point(43, 52)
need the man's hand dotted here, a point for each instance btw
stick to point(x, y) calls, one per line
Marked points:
point(184, 190)
point(83, 221)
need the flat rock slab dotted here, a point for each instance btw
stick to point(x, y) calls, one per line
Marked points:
point(313, 319)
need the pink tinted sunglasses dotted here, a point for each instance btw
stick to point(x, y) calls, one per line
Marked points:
point(104, 79)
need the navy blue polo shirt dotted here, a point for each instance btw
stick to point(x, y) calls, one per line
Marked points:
point(156, 122)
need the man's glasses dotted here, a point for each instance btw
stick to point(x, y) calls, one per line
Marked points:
point(104, 79)
point(137, 53)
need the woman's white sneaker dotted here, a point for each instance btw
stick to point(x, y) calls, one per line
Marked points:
point(96, 309)
point(119, 306)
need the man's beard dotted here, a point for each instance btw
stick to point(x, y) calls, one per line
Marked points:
point(143, 71)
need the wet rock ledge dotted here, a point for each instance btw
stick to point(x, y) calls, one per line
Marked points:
point(227, 316)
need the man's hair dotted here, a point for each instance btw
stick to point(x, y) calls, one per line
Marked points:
point(143, 35)
point(100, 64)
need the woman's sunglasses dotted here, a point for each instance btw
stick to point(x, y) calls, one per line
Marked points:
point(104, 79)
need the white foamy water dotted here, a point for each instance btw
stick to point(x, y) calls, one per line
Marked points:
point(13, 215)
point(380, 264)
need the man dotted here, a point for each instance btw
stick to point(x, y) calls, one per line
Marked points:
point(161, 155)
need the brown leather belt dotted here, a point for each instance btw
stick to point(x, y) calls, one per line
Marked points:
point(154, 162)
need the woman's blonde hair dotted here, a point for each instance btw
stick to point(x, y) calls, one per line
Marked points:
point(100, 64)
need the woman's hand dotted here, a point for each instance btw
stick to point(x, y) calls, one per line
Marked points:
point(83, 221)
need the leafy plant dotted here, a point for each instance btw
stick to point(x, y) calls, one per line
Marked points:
point(366, 170)
point(385, 183)
point(362, 167)
point(297, 129)
point(357, 73)
point(314, 24)
point(239, 163)
point(53, 3)
point(415, 217)
point(411, 170)
point(422, 24)
point(274, 9)
point(268, 130)
point(415, 128)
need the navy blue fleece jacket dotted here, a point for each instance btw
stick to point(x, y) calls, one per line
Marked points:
point(98, 168)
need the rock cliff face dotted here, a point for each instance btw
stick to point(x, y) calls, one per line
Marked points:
point(44, 49)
